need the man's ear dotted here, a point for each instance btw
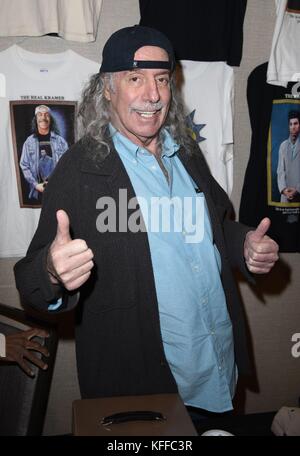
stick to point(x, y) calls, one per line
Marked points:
point(107, 92)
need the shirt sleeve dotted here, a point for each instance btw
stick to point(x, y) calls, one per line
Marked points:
point(56, 305)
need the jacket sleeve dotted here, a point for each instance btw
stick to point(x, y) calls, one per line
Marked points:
point(281, 174)
point(27, 162)
point(234, 232)
point(31, 274)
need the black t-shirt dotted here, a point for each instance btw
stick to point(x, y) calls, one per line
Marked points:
point(46, 164)
point(269, 107)
point(199, 30)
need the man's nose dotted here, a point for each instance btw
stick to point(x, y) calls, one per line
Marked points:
point(151, 91)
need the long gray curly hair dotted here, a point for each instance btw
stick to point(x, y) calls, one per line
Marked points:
point(94, 112)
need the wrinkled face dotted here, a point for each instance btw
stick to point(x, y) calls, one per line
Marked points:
point(140, 99)
point(43, 120)
point(294, 126)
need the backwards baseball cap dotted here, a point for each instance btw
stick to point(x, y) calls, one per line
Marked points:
point(41, 108)
point(118, 52)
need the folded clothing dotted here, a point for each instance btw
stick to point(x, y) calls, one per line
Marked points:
point(287, 421)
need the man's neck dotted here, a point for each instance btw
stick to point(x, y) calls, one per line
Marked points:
point(43, 132)
point(151, 144)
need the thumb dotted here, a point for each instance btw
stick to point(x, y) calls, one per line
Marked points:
point(63, 227)
point(261, 230)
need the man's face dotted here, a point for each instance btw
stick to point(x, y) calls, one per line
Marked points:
point(294, 126)
point(140, 99)
point(43, 121)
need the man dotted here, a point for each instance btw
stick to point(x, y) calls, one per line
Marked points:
point(288, 170)
point(19, 348)
point(157, 312)
point(41, 151)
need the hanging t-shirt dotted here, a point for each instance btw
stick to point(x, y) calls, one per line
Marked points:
point(284, 62)
point(75, 20)
point(33, 83)
point(272, 180)
point(205, 31)
point(207, 91)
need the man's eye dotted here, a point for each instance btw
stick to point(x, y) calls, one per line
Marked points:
point(163, 81)
point(134, 79)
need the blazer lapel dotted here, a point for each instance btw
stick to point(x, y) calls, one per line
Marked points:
point(106, 163)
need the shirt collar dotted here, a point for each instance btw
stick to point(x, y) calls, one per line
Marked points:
point(295, 143)
point(170, 147)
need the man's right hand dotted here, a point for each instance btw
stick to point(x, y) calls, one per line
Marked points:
point(40, 187)
point(289, 192)
point(69, 261)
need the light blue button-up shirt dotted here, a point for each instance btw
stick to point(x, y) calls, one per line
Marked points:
point(194, 321)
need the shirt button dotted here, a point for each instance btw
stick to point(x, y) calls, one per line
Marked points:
point(153, 167)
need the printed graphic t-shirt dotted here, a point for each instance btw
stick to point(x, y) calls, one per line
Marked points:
point(274, 160)
point(29, 80)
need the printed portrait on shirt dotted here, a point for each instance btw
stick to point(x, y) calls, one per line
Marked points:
point(42, 132)
point(283, 163)
point(293, 6)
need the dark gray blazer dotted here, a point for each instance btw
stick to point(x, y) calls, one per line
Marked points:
point(118, 340)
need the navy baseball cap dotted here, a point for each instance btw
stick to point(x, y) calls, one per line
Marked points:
point(118, 52)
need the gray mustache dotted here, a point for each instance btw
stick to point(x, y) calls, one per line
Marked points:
point(148, 107)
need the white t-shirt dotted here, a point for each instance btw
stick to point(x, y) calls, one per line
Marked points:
point(207, 91)
point(31, 80)
point(75, 20)
point(284, 61)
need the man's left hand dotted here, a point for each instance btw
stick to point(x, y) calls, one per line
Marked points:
point(260, 251)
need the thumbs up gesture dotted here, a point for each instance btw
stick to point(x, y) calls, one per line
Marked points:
point(69, 261)
point(260, 251)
